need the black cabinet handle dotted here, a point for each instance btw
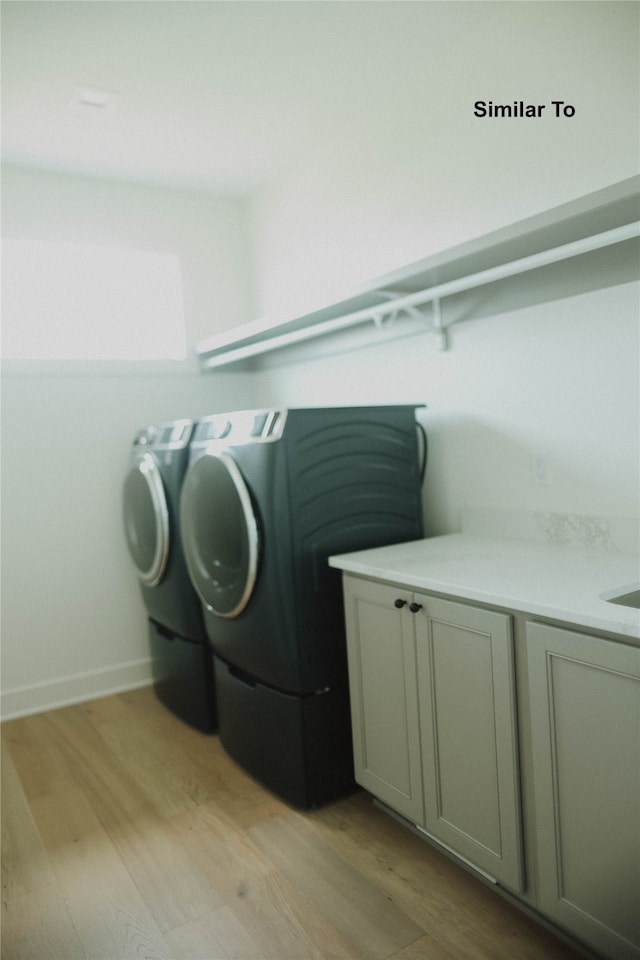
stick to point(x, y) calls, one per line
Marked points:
point(414, 607)
point(399, 603)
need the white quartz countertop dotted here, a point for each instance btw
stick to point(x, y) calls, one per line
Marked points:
point(543, 579)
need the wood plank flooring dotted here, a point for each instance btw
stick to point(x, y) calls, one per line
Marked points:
point(125, 835)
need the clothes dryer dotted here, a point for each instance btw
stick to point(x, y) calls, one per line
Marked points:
point(181, 663)
point(268, 497)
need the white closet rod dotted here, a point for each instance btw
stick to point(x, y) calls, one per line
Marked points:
point(524, 264)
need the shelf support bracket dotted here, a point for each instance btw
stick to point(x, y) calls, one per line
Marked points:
point(379, 314)
point(381, 321)
point(442, 341)
point(379, 317)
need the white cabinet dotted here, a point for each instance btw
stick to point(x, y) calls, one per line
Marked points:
point(441, 737)
point(585, 724)
point(384, 695)
point(433, 712)
point(466, 696)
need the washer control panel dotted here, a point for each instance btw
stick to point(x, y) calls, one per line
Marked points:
point(165, 436)
point(241, 426)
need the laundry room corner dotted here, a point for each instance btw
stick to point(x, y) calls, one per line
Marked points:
point(73, 623)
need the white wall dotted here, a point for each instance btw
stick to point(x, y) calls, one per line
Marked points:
point(419, 172)
point(558, 379)
point(72, 616)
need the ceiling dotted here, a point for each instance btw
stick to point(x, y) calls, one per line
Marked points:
point(220, 95)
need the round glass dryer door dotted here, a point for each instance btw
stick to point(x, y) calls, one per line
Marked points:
point(219, 534)
point(146, 519)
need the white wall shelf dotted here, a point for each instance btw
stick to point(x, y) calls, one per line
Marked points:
point(607, 218)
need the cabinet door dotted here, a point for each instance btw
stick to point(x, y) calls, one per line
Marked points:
point(382, 680)
point(468, 729)
point(585, 715)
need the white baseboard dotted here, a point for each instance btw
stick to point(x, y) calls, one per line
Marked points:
point(63, 691)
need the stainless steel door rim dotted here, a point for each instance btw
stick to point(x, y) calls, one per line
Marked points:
point(147, 519)
point(220, 534)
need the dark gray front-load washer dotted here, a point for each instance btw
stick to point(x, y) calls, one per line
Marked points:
point(268, 496)
point(181, 662)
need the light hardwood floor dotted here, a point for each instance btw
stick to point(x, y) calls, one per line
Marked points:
point(126, 834)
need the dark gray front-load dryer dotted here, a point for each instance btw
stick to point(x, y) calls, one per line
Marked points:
point(182, 669)
point(268, 496)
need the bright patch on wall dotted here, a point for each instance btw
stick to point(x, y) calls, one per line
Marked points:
point(67, 301)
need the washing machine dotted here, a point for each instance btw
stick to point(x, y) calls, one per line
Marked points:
point(181, 661)
point(268, 496)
